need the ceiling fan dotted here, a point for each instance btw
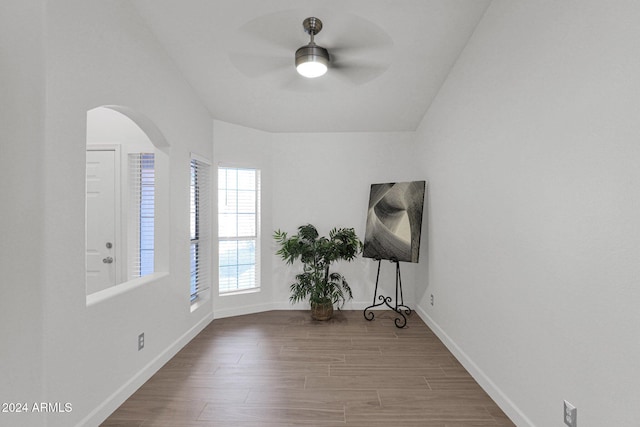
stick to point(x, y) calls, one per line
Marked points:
point(312, 60)
point(267, 48)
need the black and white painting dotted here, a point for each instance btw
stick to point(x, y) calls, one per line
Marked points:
point(394, 221)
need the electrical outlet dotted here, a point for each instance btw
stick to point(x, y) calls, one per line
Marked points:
point(141, 341)
point(432, 301)
point(570, 414)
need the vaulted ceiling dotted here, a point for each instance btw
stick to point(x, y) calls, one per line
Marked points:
point(388, 58)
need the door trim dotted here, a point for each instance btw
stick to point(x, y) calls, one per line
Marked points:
point(119, 252)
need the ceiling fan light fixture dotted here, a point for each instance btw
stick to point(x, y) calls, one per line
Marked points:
point(312, 61)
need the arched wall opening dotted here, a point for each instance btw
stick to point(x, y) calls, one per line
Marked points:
point(126, 210)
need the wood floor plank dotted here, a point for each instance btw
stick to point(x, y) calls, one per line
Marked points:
point(238, 414)
point(387, 371)
point(453, 384)
point(332, 399)
point(136, 410)
point(229, 396)
point(308, 357)
point(365, 382)
point(282, 369)
point(403, 348)
point(400, 400)
point(338, 354)
point(213, 381)
point(121, 423)
point(414, 361)
point(436, 413)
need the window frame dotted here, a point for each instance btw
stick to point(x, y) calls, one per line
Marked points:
point(256, 238)
point(199, 227)
point(142, 213)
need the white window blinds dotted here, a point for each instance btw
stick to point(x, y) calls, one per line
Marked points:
point(238, 228)
point(141, 222)
point(200, 227)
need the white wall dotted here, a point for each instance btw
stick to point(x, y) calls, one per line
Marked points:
point(100, 53)
point(21, 223)
point(324, 179)
point(531, 150)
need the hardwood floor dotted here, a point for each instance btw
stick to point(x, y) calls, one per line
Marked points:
point(280, 368)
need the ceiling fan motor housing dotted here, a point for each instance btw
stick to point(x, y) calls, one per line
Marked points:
point(312, 60)
point(312, 52)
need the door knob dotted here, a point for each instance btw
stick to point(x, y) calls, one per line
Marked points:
point(108, 260)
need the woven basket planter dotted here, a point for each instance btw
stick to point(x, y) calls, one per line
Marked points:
point(322, 311)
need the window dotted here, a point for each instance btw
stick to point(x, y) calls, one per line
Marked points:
point(200, 228)
point(141, 214)
point(238, 228)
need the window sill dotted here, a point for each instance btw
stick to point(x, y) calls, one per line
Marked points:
point(114, 291)
point(199, 302)
point(240, 292)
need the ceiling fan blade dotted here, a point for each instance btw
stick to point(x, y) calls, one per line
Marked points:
point(358, 72)
point(361, 50)
point(280, 32)
point(348, 34)
point(255, 65)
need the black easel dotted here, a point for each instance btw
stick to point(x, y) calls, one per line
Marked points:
point(400, 322)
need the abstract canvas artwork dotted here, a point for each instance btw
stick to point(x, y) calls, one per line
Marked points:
point(394, 221)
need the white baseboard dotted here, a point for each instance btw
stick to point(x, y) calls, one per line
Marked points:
point(259, 308)
point(99, 414)
point(498, 396)
point(219, 313)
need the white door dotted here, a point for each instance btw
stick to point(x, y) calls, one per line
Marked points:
point(101, 220)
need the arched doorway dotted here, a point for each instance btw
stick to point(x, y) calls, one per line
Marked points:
point(120, 196)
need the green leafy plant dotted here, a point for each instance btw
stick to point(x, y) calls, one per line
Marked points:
point(317, 253)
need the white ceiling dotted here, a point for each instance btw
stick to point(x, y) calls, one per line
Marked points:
point(389, 58)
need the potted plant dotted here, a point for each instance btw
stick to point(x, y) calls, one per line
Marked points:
point(316, 282)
